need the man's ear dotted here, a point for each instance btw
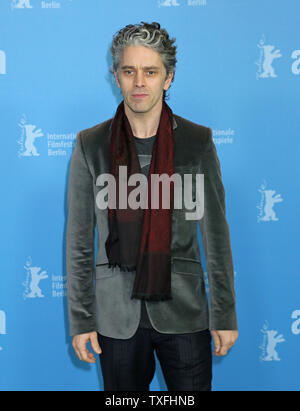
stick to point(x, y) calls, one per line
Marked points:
point(168, 81)
point(117, 80)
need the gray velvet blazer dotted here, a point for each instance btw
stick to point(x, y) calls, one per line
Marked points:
point(98, 296)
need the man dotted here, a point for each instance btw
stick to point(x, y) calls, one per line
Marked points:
point(149, 292)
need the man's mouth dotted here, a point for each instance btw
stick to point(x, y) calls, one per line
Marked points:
point(138, 96)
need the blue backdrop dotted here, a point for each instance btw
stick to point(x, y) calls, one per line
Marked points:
point(238, 72)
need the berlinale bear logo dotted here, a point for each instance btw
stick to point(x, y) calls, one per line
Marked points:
point(21, 4)
point(265, 62)
point(267, 203)
point(168, 3)
point(2, 324)
point(34, 275)
point(2, 62)
point(271, 340)
point(27, 139)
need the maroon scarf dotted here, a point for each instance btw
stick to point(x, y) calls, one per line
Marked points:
point(139, 240)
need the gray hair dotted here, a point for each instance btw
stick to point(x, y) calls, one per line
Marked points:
point(147, 35)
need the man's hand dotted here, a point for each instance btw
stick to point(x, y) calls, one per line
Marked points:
point(79, 344)
point(223, 341)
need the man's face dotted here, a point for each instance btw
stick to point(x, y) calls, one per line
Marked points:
point(141, 77)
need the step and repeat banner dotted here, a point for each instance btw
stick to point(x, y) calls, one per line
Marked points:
point(238, 72)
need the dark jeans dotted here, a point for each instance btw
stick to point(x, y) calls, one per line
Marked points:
point(185, 359)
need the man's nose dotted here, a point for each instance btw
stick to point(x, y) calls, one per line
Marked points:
point(139, 78)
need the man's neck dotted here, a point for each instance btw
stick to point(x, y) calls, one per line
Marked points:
point(144, 125)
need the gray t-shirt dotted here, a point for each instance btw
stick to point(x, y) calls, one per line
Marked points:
point(144, 148)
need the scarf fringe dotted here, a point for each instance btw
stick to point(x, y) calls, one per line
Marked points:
point(122, 266)
point(149, 297)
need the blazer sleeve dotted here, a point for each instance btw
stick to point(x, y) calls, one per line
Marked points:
point(80, 244)
point(216, 242)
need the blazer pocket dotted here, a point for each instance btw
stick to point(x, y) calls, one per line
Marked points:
point(103, 271)
point(187, 266)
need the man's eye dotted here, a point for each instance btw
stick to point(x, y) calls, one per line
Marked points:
point(150, 72)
